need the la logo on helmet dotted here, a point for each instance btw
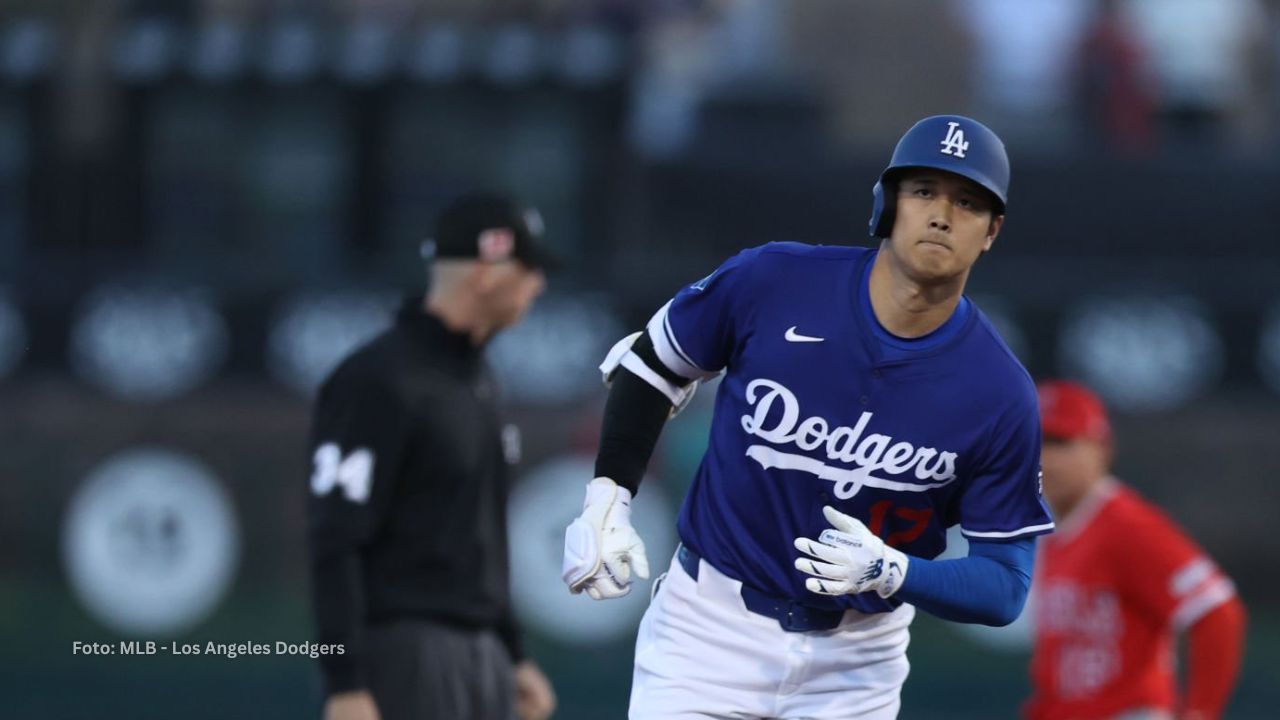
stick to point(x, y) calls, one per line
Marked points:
point(954, 143)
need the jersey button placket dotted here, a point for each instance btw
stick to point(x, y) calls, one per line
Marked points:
point(877, 374)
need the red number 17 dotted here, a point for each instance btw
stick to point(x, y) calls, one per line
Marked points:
point(918, 517)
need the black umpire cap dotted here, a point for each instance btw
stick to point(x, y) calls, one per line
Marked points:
point(489, 227)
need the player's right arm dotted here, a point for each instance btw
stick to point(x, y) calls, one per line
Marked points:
point(1000, 512)
point(1215, 649)
point(987, 587)
point(1168, 576)
point(652, 374)
point(357, 436)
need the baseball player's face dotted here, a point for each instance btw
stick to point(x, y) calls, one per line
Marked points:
point(943, 222)
point(1071, 468)
point(510, 291)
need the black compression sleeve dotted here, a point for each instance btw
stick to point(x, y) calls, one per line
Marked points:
point(633, 419)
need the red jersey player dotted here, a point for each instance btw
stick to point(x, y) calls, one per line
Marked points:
point(1116, 584)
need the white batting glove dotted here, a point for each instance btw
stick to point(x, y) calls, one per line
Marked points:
point(601, 549)
point(850, 559)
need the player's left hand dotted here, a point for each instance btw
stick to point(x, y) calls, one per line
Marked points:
point(601, 549)
point(850, 559)
point(535, 700)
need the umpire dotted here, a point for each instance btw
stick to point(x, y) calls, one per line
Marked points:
point(408, 492)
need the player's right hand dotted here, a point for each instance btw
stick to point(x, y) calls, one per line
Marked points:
point(848, 559)
point(601, 549)
point(354, 705)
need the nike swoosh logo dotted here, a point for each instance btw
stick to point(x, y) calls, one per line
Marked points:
point(793, 336)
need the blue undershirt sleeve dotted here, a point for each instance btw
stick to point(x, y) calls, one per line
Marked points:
point(988, 587)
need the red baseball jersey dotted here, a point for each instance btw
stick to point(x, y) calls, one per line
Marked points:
point(1113, 588)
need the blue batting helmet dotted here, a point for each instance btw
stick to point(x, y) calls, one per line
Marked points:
point(953, 143)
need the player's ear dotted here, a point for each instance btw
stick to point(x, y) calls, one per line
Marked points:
point(993, 229)
point(1108, 453)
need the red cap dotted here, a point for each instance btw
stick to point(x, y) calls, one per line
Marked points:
point(1069, 410)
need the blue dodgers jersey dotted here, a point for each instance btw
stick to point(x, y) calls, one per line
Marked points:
point(812, 411)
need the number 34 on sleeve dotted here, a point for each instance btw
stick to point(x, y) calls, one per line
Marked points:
point(354, 473)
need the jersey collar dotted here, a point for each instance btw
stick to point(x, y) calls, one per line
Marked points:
point(430, 329)
point(950, 332)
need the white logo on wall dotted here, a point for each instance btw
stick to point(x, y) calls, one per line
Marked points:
point(551, 357)
point(148, 344)
point(543, 503)
point(150, 542)
point(1143, 353)
point(313, 332)
point(954, 143)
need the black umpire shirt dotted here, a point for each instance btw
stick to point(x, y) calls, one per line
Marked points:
point(408, 492)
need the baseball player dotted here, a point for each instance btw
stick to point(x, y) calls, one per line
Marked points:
point(1116, 585)
point(866, 406)
point(408, 492)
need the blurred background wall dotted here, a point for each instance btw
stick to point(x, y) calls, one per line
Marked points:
point(204, 204)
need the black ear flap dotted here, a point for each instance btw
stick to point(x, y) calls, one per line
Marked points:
point(884, 203)
point(890, 209)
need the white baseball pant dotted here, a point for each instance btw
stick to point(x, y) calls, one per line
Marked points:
point(701, 655)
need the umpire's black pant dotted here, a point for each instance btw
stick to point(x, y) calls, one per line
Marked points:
point(419, 670)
